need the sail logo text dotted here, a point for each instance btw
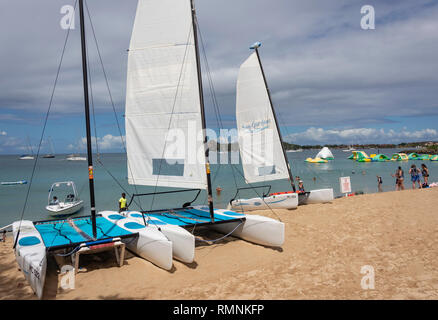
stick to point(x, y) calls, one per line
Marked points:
point(256, 126)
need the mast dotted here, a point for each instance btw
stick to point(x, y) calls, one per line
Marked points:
point(201, 99)
point(87, 118)
point(255, 47)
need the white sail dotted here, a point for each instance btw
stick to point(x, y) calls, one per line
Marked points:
point(260, 145)
point(163, 111)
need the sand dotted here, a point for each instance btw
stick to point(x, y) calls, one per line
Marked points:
point(325, 248)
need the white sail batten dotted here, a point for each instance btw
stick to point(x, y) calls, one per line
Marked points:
point(259, 142)
point(163, 111)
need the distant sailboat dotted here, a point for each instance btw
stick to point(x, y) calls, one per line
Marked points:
point(350, 149)
point(28, 156)
point(75, 157)
point(52, 154)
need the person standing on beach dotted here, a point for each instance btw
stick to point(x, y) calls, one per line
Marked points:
point(379, 183)
point(122, 203)
point(425, 173)
point(415, 176)
point(399, 179)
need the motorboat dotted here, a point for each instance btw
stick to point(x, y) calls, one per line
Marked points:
point(71, 203)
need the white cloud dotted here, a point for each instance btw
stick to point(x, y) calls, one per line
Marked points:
point(105, 143)
point(3, 133)
point(360, 136)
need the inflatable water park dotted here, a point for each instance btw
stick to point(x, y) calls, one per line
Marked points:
point(362, 156)
point(322, 157)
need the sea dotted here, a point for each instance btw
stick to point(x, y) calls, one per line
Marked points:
point(28, 201)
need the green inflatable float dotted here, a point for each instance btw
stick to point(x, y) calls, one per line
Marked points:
point(413, 156)
point(380, 158)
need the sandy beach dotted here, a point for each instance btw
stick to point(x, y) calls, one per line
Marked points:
point(325, 248)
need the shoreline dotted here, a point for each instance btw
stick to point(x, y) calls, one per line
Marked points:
point(326, 245)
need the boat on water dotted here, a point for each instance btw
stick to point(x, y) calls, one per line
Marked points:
point(50, 155)
point(69, 206)
point(30, 155)
point(260, 142)
point(26, 157)
point(12, 183)
point(75, 157)
point(351, 149)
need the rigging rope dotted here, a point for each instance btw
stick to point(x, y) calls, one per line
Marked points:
point(42, 133)
point(114, 112)
point(219, 121)
point(221, 238)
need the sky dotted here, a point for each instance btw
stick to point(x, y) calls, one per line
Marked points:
point(332, 82)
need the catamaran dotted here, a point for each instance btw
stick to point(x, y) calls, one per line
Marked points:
point(261, 145)
point(164, 97)
point(35, 241)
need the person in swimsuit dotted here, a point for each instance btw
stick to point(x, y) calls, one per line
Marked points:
point(379, 183)
point(425, 173)
point(399, 179)
point(415, 176)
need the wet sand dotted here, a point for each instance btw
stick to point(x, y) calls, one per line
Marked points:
point(326, 246)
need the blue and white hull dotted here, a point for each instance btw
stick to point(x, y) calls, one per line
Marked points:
point(30, 253)
point(183, 242)
point(150, 244)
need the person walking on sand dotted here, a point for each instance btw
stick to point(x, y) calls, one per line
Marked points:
point(399, 179)
point(425, 173)
point(122, 203)
point(415, 176)
point(379, 183)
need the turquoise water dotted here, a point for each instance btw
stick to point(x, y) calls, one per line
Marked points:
point(108, 191)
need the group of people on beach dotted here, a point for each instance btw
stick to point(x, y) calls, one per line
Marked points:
point(416, 174)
